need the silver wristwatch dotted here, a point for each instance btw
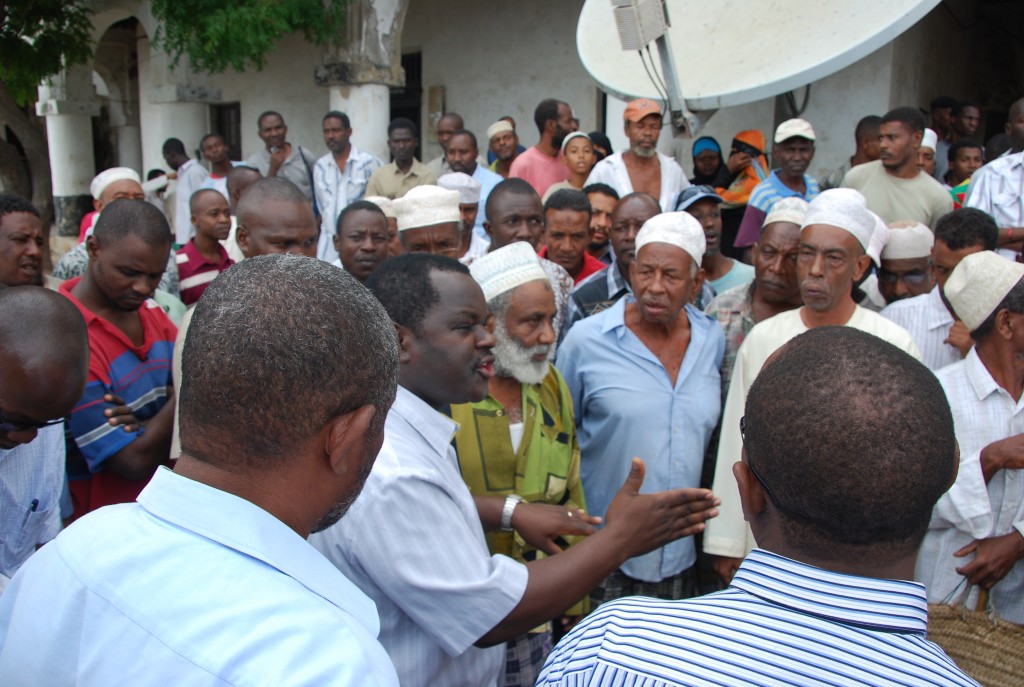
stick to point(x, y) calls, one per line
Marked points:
point(511, 501)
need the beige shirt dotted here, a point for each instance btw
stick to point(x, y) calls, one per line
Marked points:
point(728, 534)
point(921, 199)
point(388, 181)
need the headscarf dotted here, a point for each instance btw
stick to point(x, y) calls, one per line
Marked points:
point(699, 146)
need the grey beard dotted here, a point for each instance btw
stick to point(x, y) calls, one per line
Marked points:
point(512, 359)
point(644, 152)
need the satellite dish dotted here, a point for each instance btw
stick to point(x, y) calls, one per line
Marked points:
point(732, 52)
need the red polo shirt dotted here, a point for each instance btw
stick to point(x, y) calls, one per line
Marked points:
point(590, 265)
point(196, 272)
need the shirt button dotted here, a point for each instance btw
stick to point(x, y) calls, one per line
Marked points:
point(500, 413)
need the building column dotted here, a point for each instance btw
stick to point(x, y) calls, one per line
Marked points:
point(68, 103)
point(361, 67)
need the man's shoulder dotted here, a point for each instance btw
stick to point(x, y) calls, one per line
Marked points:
point(905, 308)
point(859, 174)
point(884, 328)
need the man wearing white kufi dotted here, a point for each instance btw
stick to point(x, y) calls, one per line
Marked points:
point(428, 220)
point(926, 153)
point(471, 244)
point(644, 377)
point(906, 269)
point(521, 439)
point(977, 527)
point(834, 239)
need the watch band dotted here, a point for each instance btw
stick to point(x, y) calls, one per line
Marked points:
point(511, 501)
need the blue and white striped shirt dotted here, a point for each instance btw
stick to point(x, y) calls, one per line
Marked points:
point(780, 622)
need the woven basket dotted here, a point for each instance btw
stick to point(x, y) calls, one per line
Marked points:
point(987, 648)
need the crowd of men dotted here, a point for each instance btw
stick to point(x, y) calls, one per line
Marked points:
point(326, 420)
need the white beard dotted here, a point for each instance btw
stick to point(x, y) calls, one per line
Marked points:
point(512, 359)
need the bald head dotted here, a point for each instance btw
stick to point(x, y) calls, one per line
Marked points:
point(238, 180)
point(275, 217)
point(44, 359)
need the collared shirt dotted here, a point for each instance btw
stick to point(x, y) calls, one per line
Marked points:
point(762, 199)
point(998, 189)
point(191, 176)
point(139, 374)
point(297, 168)
point(734, 310)
point(613, 171)
point(928, 320)
point(414, 544)
point(488, 180)
point(597, 292)
point(31, 481)
point(335, 190)
point(618, 385)
point(728, 534)
point(590, 266)
point(740, 274)
point(389, 181)
point(196, 272)
point(74, 263)
point(780, 622)
point(983, 412)
point(439, 165)
point(189, 586)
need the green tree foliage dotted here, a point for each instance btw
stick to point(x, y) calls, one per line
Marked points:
point(37, 38)
point(238, 34)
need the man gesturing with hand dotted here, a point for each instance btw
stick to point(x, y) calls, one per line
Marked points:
point(414, 539)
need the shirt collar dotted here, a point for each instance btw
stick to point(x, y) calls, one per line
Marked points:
point(979, 377)
point(891, 605)
point(243, 526)
point(436, 428)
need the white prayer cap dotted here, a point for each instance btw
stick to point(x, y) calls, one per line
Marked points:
point(498, 127)
point(930, 140)
point(109, 176)
point(843, 208)
point(979, 284)
point(425, 206)
point(908, 240)
point(879, 237)
point(678, 229)
point(792, 210)
point(574, 134)
point(386, 205)
point(506, 268)
point(467, 186)
point(794, 128)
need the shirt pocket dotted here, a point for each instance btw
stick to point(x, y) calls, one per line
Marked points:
point(22, 543)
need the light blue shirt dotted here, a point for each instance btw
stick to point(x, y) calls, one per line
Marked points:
point(488, 180)
point(626, 406)
point(335, 190)
point(780, 622)
point(414, 543)
point(31, 482)
point(188, 586)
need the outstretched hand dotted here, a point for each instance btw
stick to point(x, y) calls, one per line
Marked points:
point(649, 521)
point(540, 524)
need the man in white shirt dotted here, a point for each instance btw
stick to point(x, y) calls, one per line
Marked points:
point(190, 176)
point(339, 178)
point(976, 537)
point(998, 187)
point(414, 540)
point(42, 377)
point(943, 339)
point(832, 257)
point(208, 579)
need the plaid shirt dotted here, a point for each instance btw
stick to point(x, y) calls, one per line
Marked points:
point(734, 310)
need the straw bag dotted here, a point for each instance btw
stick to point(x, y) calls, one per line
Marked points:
point(984, 646)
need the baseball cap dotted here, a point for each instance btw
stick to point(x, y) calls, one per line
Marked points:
point(640, 108)
point(792, 128)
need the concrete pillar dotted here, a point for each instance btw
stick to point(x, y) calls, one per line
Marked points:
point(163, 119)
point(68, 103)
point(368, 108)
point(129, 147)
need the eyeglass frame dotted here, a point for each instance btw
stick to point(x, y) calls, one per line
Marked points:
point(753, 470)
point(8, 425)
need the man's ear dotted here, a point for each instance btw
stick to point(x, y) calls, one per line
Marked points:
point(406, 343)
point(346, 442)
point(861, 268)
point(752, 496)
point(92, 246)
point(242, 239)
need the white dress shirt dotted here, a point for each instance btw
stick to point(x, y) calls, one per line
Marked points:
point(189, 586)
point(414, 543)
point(983, 412)
point(998, 189)
point(191, 176)
point(928, 320)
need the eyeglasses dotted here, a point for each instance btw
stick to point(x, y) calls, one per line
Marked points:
point(908, 277)
point(750, 464)
point(8, 425)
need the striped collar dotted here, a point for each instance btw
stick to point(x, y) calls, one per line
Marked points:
point(887, 605)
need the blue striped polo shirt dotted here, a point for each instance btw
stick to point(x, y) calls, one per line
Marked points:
point(780, 622)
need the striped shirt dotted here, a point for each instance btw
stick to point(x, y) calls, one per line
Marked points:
point(780, 622)
point(762, 199)
point(928, 321)
point(196, 271)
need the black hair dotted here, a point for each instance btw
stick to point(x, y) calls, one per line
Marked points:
point(959, 145)
point(943, 101)
point(867, 126)
point(11, 202)
point(569, 199)
point(194, 198)
point(513, 186)
point(546, 111)
point(466, 132)
point(174, 145)
point(403, 123)
point(132, 216)
point(603, 189)
point(154, 173)
point(337, 114)
point(268, 113)
point(358, 205)
point(963, 105)
point(208, 137)
point(909, 117)
point(967, 227)
point(854, 441)
point(403, 286)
